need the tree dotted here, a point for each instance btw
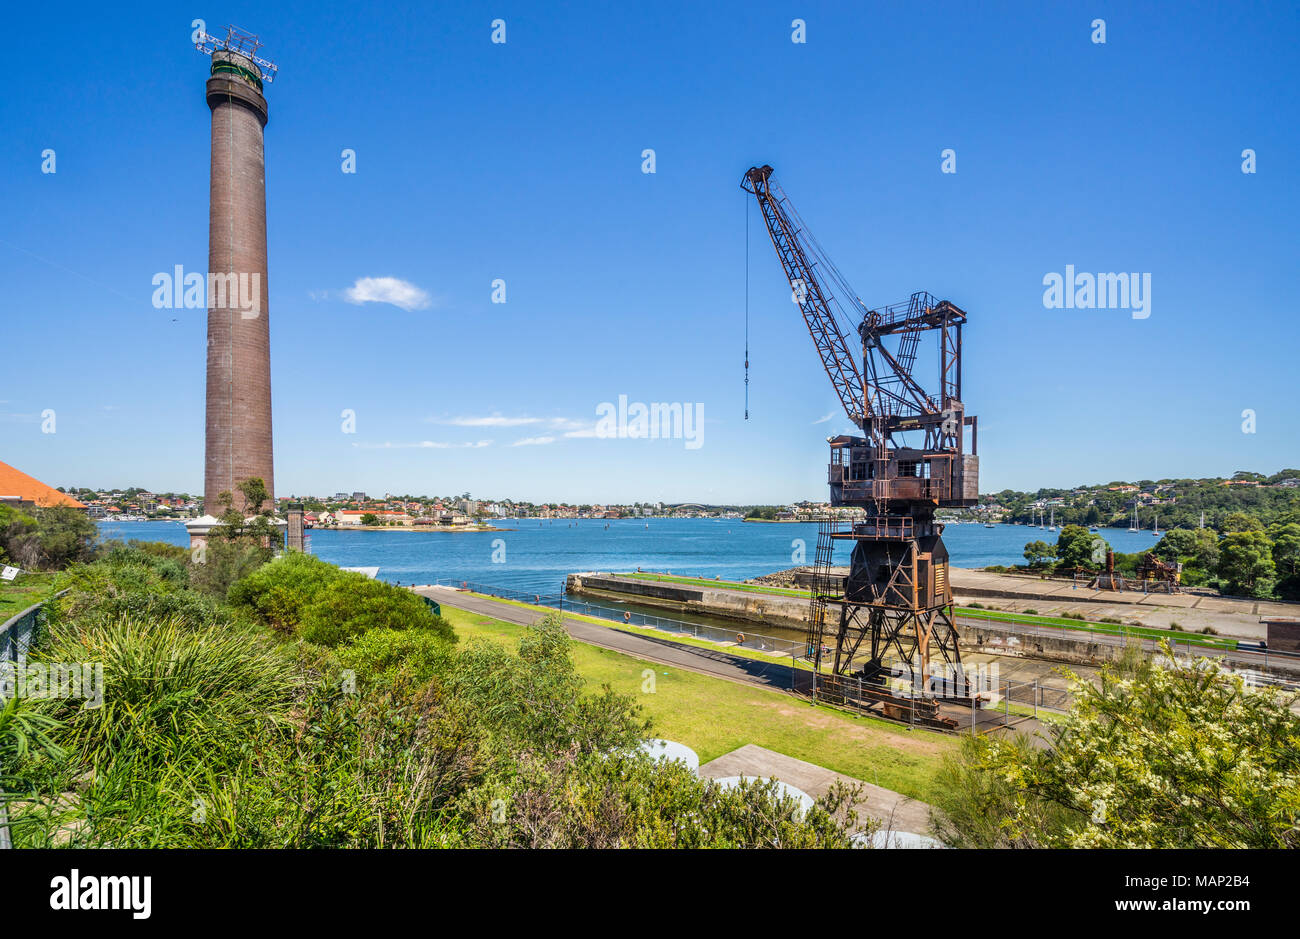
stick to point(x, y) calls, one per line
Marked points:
point(1075, 546)
point(1199, 546)
point(1038, 553)
point(240, 543)
point(370, 518)
point(1240, 521)
point(1246, 563)
point(1286, 558)
point(1286, 548)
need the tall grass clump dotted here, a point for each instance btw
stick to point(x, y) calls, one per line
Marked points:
point(171, 690)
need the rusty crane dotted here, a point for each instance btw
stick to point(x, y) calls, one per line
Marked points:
point(895, 605)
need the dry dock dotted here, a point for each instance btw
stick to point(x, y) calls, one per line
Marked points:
point(777, 609)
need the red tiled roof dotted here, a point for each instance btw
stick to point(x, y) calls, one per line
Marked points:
point(15, 483)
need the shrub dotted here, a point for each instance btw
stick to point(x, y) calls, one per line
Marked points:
point(385, 655)
point(353, 604)
point(971, 804)
point(188, 608)
point(615, 800)
point(532, 701)
point(276, 594)
point(223, 563)
point(119, 572)
point(372, 770)
point(49, 538)
point(301, 594)
point(1154, 755)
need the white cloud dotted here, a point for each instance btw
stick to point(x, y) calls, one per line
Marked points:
point(533, 441)
point(823, 420)
point(492, 420)
point(399, 293)
point(423, 445)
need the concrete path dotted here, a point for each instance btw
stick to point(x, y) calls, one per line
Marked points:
point(894, 811)
point(718, 664)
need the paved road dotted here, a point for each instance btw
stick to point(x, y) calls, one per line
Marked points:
point(716, 663)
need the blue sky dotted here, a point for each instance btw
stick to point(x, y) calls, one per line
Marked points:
point(522, 161)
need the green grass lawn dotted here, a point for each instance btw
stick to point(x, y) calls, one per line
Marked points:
point(28, 589)
point(1146, 632)
point(714, 716)
point(723, 584)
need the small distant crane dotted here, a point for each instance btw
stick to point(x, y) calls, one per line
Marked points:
point(896, 599)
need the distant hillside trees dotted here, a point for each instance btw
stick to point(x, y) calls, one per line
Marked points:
point(1175, 503)
point(1246, 561)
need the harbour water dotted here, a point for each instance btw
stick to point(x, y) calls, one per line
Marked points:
point(535, 555)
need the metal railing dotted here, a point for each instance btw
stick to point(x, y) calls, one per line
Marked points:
point(16, 636)
point(17, 633)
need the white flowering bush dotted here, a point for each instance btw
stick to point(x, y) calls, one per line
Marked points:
point(1160, 753)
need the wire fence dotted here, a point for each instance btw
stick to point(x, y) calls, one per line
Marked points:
point(977, 702)
point(1004, 703)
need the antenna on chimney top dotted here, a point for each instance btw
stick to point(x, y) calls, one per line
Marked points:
point(241, 43)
